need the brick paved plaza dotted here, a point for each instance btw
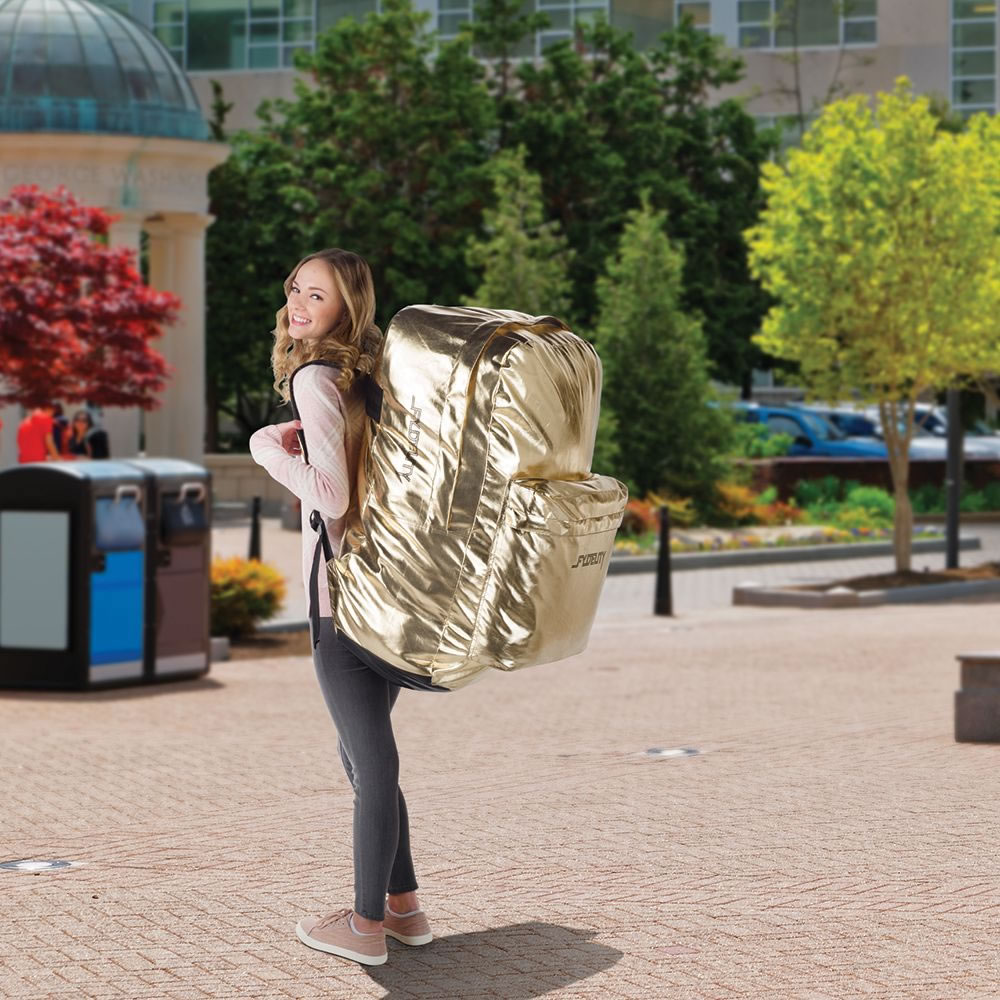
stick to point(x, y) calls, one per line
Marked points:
point(830, 841)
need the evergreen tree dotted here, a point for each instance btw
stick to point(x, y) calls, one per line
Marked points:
point(655, 367)
point(523, 258)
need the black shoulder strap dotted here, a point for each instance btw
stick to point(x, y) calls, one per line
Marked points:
point(373, 398)
point(373, 394)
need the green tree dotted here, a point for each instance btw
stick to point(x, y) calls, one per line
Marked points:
point(258, 235)
point(384, 151)
point(655, 367)
point(388, 145)
point(522, 257)
point(880, 244)
point(603, 122)
point(503, 31)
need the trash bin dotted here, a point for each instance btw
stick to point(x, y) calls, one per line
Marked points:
point(72, 571)
point(179, 540)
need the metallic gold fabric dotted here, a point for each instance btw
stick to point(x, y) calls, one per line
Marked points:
point(480, 537)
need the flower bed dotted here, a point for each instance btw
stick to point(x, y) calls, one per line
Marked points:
point(822, 512)
point(718, 540)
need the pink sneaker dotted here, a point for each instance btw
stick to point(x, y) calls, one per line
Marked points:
point(410, 928)
point(333, 933)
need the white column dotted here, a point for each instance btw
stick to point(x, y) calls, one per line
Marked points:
point(177, 264)
point(11, 418)
point(122, 423)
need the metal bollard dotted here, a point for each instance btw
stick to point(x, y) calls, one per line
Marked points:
point(953, 478)
point(664, 603)
point(255, 530)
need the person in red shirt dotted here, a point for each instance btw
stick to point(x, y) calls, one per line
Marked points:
point(35, 442)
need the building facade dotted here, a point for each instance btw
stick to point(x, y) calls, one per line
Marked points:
point(946, 47)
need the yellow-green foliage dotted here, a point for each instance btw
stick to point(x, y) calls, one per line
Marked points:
point(244, 592)
point(880, 242)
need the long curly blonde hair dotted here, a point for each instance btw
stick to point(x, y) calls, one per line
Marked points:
point(354, 342)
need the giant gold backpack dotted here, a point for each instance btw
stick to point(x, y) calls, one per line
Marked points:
point(479, 537)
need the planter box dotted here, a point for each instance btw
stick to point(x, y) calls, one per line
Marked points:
point(977, 704)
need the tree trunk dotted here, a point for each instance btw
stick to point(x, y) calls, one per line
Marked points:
point(897, 430)
point(902, 537)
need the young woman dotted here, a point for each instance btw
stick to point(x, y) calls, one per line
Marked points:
point(77, 443)
point(329, 316)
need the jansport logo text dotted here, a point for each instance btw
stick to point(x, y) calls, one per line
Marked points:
point(413, 436)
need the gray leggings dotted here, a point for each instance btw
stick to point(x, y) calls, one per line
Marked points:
point(360, 702)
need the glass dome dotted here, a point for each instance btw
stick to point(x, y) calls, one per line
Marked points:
point(78, 66)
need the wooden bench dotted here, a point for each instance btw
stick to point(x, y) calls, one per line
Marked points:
point(977, 704)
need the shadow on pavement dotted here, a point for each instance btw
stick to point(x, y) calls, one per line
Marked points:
point(115, 693)
point(516, 962)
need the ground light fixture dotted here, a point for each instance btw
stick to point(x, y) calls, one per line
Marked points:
point(28, 865)
point(661, 752)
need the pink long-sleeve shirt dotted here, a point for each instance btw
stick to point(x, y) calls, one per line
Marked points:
point(333, 424)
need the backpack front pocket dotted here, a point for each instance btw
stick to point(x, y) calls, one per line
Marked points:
point(546, 569)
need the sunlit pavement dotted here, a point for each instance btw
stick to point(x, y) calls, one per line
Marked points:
point(828, 839)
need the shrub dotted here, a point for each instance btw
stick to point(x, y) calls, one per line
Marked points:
point(928, 499)
point(875, 501)
point(756, 441)
point(992, 493)
point(777, 513)
point(244, 592)
point(812, 492)
point(733, 504)
point(973, 502)
point(639, 518)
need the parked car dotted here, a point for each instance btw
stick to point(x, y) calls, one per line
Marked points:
point(934, 420)
point(811, 434)
point(924, 446)
point(931, 430)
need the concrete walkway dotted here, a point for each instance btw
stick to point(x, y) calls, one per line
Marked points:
point(830, 840)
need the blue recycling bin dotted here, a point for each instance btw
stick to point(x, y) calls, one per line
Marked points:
point(73, 570)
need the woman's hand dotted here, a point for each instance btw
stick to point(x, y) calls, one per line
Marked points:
point(289, 436)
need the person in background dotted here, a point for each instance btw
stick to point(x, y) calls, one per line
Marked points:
point(60, 430)
point(34, 436)
point(76, 440)
point(98, 441)
point(85, 440)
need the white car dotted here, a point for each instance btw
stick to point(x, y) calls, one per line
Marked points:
point(932, 425)
point(934, 421)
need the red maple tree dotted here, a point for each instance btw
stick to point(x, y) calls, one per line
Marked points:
point(76, 319)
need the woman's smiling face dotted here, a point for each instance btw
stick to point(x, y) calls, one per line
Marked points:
point(314, 303)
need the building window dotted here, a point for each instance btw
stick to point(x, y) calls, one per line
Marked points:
point(785, 24)
point(235, 34)
point(700, 13)
point(973, 55)
point(564, 17)
point(169, 25)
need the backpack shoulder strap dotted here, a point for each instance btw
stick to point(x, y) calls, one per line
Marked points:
point(373, 394)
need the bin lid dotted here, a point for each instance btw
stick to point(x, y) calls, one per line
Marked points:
point(169, 466)
point(96, 470)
